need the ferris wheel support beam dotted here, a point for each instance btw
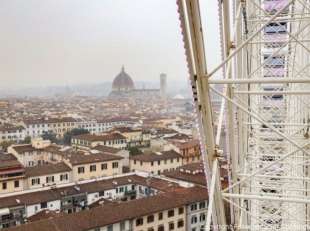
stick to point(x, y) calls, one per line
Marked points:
point(194, 44)
point(273, 92)
point(271, 198)
point(259, 80)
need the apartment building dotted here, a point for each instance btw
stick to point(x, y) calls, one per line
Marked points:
point(115, 140)
point(188, 148)
point(155, 162)
point(48, 164)
point(12, 174)
point(165, 211)
point(59, 126)
point(47, 175)
point(9, 132)
point(76, 197)
point(89, 166)
point(115, 151)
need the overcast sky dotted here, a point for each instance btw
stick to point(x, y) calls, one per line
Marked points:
point(63, 42)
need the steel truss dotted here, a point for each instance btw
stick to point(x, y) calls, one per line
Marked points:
point(265, 111)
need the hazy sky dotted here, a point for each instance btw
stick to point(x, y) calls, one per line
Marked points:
point(60, 42)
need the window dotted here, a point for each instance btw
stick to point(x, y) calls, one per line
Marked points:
point(101, 193)
point(104, 166)
point(150, 218)
point(160, 216)
point(115, 165)
point(81, 170)
point(202, 205)
point(43, 205)
point(152, 163)
point(139, 221)
point(202, 217)
point(150, 229)
point(158, 162)
point(92, 168)
point(193, 207)
point(180, 223)
point(171, 226)
point(16, 184)
point(49, 179)
point(122, 225)
point(35, 181)
point(194, 220)
point(110, 228)
point(181, 210)
point(4, 185)
point(171, 213)
point(161, 228)
point(63, 177)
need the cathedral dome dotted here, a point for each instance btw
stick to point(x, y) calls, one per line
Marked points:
point(122, 82)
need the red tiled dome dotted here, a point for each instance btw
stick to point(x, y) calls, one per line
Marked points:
point(123, 82)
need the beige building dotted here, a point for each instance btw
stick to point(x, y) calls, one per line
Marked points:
point(156, 162)
point(79, 164)
point(188, 148)
point(169, 219)
point(47, 175)
point(90, 166)
point(12, 174)
point(115, 140)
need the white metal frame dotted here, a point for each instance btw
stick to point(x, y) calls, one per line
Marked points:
point(267, 130)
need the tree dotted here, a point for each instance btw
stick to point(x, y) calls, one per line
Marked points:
point(49, 136)
point(5, 144)
point(74, 132)
point(27, 140)
point(133, 151)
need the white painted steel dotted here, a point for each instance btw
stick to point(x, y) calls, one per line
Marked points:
point(266, 74)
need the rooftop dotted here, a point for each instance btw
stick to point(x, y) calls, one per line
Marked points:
point(47, 169)
point(93, 138)
point(113, 213)
point(155, 156)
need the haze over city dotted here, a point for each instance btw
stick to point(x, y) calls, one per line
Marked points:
point(63, 43)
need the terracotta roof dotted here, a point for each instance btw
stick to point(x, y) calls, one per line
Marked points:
point(49, 120)
point(164, 155)
point(78, 159)
point(126, 129)
point(47, 169)
point(44, 214)
point(113, 213)
point(93, 138)
point(106, 149)
point(9, 161)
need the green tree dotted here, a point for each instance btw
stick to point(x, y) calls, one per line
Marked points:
point(50, 136)
point(133, 151)
point(74, 132)
point(5, 144)
point(27, 140)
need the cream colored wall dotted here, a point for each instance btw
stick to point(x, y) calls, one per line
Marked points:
point(132, 136)
point(165, 221)
point(10, 186)
point(43, 183)
point(98, 173)
point(147, 166)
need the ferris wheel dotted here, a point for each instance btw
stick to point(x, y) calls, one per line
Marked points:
point(265, 112)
